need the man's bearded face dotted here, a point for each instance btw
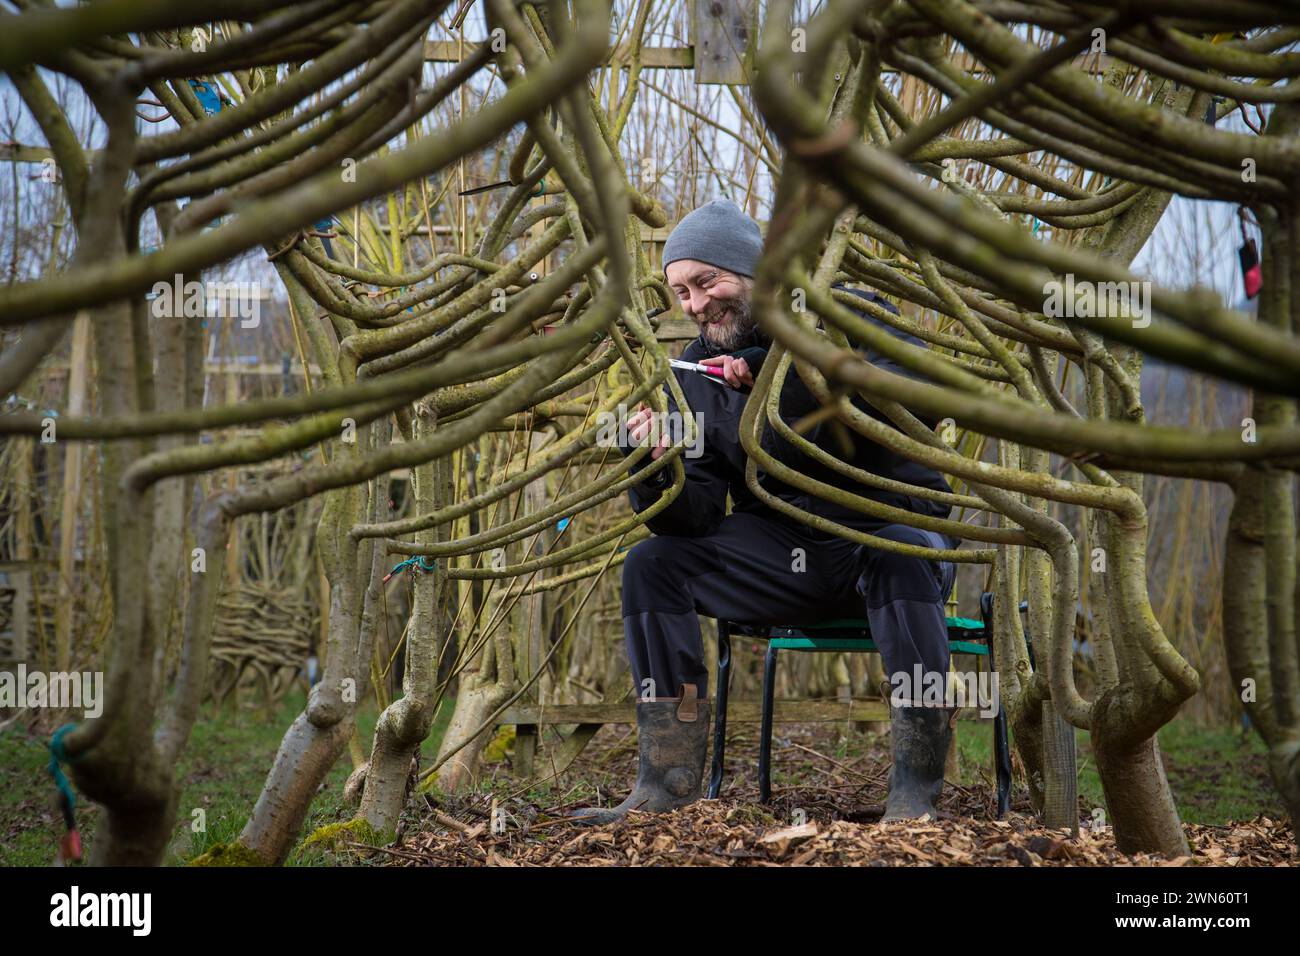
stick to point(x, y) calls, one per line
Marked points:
point(727, 322)
point(717, 301)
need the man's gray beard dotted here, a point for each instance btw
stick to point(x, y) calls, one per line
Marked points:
point(728, 337)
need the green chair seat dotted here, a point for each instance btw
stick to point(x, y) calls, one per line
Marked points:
point(854, 634)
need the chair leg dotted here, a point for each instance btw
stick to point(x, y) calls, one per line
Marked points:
point(720, 707)
point(1002, 761)
point(765, 732)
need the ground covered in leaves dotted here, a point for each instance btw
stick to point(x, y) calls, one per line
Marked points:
point(829, 785)
point(719, 833)
point(828, 796)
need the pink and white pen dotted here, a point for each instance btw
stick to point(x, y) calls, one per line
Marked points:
point(714, 370)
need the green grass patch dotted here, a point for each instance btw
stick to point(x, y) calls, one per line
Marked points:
point(221, 772)
point(1217, 774)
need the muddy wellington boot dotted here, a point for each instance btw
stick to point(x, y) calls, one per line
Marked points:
point(672, 737)
point(919, 737)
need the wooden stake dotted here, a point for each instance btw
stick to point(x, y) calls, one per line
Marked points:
point(78, 379)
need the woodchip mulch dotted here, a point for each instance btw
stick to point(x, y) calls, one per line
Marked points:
point(824, 812)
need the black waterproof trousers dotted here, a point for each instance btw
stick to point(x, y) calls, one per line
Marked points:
point(759, 570)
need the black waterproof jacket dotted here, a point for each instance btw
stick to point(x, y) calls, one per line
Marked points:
point(720, 468)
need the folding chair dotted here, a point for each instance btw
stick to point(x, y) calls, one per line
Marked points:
point(853, 635)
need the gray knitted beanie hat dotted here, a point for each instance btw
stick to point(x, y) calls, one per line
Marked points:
point(717, 233)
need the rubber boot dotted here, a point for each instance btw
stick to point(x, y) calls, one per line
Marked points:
point(672, 737)
point(920, 738)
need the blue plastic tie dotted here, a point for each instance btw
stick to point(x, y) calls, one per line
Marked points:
point(419, 562)
point(59, 756)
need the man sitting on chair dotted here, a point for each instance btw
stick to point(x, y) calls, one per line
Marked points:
point(756, 564)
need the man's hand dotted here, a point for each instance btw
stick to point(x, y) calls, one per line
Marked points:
point(638, 426)
point(734, 370)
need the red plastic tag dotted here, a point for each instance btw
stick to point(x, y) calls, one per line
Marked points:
point(70, 847)
point(1252, 275)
